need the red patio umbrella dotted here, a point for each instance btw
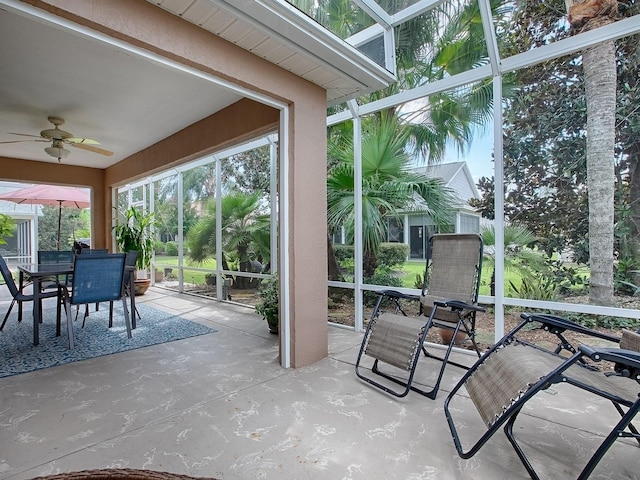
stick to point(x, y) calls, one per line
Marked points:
point(50, 195)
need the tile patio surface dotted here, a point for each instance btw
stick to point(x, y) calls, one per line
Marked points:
point(219, 405)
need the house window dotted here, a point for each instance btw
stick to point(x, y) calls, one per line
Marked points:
point(469, 223)
point(395, 230)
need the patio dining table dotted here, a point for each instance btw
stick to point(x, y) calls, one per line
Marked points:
point(39, 272)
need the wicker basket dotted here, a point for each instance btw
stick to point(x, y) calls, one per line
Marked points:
point(120, 474)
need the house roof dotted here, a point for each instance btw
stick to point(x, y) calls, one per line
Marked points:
point(455, 175)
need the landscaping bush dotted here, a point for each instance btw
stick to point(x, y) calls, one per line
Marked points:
point(171, 249)
point(343, 253)
point(601, 321)
point(566, 279)
point(536, 288)
point(625, 273)
point(380, 278)
point(159, 247)
point(392, 254)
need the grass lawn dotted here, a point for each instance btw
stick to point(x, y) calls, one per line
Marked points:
point(407, 273)
point(190, 276)
point(412, 268)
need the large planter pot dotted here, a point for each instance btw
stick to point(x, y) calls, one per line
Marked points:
point(446, 335)
point(159, 275)
point(273, 325)
point(140, 287)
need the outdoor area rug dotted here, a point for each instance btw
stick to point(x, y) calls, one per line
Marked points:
point(18, 354)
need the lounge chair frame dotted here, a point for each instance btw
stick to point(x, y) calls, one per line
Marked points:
point(448, 300)
point(513, 371)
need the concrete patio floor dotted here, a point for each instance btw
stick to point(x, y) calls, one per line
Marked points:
point(219, 405)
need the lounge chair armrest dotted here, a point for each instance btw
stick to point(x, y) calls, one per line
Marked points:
point(459, 305)
point(395, 294)
point(615, 355)
point(553, 324)
point(627, 362)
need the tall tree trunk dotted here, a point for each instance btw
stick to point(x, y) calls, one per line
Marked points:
point(600, 78)
point(333, 267)
point(369, 263)
point(599, 66)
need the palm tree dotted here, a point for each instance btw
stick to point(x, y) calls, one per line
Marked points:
point(389, 185)
point(425, 52)
point(518, 256)
point(245, 233)
point(600, 78)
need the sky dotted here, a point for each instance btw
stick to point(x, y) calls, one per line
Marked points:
point(479, 156)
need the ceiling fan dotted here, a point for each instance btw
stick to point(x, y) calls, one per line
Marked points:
point(59, 138)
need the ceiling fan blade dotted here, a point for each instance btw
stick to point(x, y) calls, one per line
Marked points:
point(93, 149)
point(24, 134)
point(84, 141)
point(23, 141)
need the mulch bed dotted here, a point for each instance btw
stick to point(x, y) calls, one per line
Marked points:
point(485, 323)
point(343, 313)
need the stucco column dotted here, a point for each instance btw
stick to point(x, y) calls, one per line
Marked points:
point(307, 241)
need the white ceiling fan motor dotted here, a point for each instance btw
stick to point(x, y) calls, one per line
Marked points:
point(55, 133)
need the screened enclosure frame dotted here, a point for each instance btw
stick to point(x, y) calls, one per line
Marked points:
point(147, 203)
point(494, 69)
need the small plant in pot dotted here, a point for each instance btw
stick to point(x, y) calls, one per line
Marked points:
point(135, 234)
point(268, 305)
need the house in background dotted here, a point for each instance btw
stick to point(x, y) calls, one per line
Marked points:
point(21, 246)
point(415, 228)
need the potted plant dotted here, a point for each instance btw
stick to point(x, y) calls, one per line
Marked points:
point(135, 234)
point(268, 305)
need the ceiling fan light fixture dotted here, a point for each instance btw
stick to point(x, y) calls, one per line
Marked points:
point(57, 152)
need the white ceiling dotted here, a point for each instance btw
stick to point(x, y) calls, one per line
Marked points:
point(128, 102)
point(124, 102)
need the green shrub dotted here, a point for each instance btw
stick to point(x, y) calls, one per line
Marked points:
point(536, 288)
point(268, 304)
point(380, 278)
point(566, 279)
point(159, 247)
point(343, 253)
point(392, 254)
point(602, 321)
point(624, 275)
point(171, 249)
point(7, 227)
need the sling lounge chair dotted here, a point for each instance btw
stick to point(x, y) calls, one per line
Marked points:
point(514, 371)
point(448, 301)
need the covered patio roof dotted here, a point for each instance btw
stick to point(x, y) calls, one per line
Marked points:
point(129, 98)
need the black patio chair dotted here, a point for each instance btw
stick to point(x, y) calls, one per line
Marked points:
point(96, 278)
point(448, 301)
point(20, 297)
point(515, 370)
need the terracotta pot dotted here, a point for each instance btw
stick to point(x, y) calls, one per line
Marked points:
point(446, 335)
point(140, 287)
